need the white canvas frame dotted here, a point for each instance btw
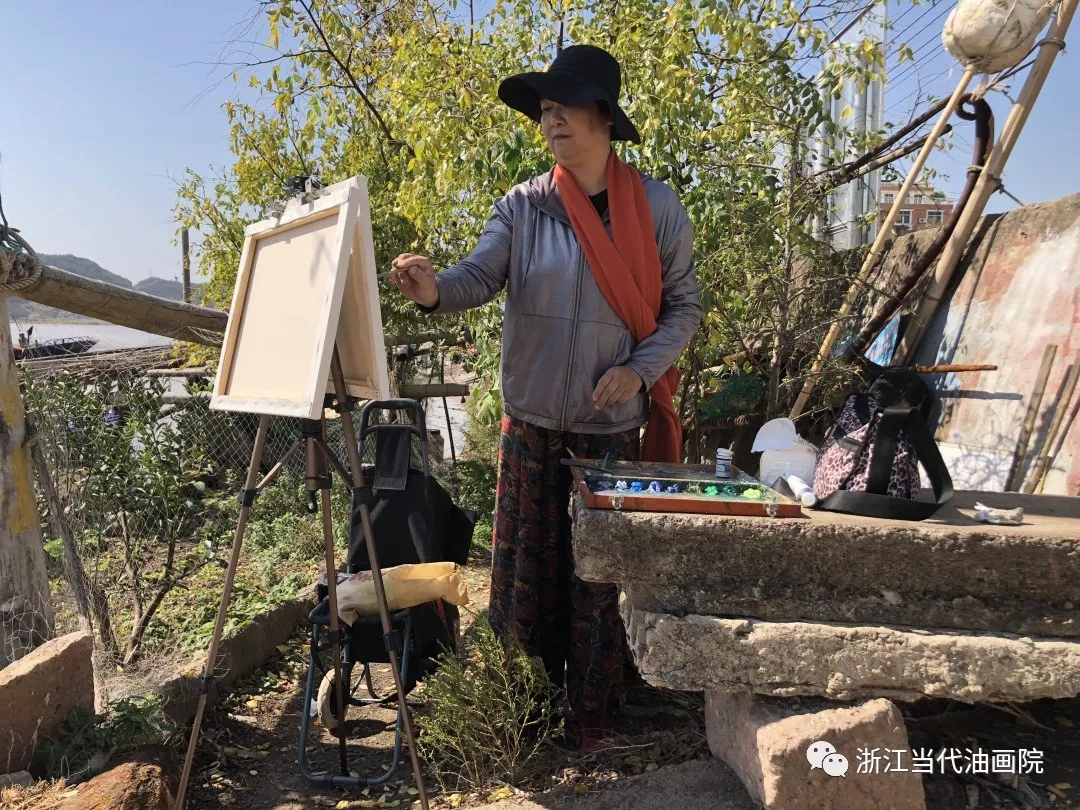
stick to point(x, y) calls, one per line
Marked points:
point(350, 277)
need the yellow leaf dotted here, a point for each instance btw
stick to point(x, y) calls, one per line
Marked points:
point(581, 787)
point(502, 793)
point(344, 804)
point(282, 648)
point(1065, 721)
point(844, 113)
point(454, 799)
point(1063, 786)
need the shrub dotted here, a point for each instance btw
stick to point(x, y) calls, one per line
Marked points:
point(88, 737)
point(488, 713)
point(472, 486)
point(484, 426)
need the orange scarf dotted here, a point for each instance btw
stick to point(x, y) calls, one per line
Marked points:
point(626, 267)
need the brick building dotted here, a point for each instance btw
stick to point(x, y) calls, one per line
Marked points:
point(923, 208)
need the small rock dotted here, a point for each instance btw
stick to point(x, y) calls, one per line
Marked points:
point(130, 786)
point(40, 689)
point(19, 778)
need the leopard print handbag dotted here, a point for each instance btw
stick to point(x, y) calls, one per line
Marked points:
point(869, 464)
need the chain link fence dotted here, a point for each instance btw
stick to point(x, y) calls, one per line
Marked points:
point(137, 483)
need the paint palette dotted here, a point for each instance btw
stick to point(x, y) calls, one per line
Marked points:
point(639, 486)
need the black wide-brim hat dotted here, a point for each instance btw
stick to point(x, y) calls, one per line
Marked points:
point(579, 74)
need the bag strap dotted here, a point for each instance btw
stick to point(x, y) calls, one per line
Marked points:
point(874, 503)
point(926, 450)
point(884, 451)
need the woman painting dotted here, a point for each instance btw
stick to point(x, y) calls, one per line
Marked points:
point(597, 262)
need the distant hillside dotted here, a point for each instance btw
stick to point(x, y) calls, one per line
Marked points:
point(161, 287)
point(37, 313)
point(83, 267)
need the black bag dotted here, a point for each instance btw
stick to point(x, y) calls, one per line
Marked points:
point(869, 464)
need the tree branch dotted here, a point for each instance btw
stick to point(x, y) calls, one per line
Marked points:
point(352, 79)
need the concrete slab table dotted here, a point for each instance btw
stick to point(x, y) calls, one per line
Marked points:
point(846, 607)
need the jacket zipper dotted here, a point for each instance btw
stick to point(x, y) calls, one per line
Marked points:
point(573, 341)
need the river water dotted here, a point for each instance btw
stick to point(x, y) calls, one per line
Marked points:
point(109, 336)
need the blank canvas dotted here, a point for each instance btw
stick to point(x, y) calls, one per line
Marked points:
point(305, 278)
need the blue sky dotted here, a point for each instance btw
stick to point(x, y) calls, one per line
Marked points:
point(104, 101)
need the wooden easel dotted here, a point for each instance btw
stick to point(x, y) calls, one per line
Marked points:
point(319, 457)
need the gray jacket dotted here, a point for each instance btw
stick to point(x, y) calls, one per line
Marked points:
point(559, 333)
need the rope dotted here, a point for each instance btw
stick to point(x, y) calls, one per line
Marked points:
point(20, 268)
point(19, 272)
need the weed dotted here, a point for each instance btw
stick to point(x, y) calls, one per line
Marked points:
point(128, 724)
point(488, 713)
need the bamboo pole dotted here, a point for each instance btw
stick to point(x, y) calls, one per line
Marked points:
point(884, 232)
point(1042, 466)
point(1019, 454)
point(987, 185)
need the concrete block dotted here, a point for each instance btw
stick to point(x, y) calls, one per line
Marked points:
point(846, 662)
point(38, 691)
point(765, 741)
point(1023, 617)
point(1032, 566)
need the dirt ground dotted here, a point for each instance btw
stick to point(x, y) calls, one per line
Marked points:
point(248, 748)
point(248, 752)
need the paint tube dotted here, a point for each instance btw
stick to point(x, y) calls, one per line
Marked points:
point(803, 491)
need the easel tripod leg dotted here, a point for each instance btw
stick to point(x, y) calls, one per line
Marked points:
point(335, 624)
point(376, 576)
point(247, 497)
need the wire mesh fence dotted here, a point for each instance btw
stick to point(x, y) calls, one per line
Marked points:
point(137, 483)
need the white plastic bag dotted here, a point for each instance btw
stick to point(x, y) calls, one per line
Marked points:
point(1006, 517)
point(783, 452)
point(992, 35)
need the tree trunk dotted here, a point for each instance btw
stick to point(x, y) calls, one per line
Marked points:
point(26, 616)
point(90, 602)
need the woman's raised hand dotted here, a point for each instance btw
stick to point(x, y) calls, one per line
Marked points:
point(415, 277)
